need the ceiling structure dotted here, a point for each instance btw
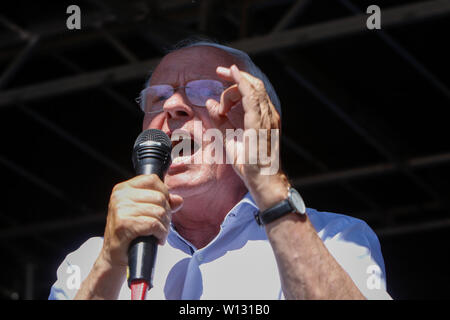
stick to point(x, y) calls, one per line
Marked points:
point(364, 125)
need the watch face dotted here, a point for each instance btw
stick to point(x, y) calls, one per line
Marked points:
point(297, 201)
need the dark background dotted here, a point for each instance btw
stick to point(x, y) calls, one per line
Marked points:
point(364, 119)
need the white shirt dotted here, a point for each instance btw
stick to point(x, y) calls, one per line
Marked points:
point(239, 263)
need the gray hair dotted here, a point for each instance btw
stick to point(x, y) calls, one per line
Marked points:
point(250, 66)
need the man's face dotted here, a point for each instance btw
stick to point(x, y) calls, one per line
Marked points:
point(177, 69)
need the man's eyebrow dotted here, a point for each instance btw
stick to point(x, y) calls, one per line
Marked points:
point(198, 77)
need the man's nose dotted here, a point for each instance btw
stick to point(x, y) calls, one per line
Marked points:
point(177, 107)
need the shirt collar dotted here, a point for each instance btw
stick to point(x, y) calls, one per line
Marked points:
point(243, 212)
point(244, 209)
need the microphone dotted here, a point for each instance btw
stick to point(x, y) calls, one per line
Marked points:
point(151, 155)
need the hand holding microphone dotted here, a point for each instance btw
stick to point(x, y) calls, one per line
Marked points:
point(140, 209)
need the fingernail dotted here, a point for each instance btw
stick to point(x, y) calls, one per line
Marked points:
point(223, 70)
point(208, 103)
point(235, 71)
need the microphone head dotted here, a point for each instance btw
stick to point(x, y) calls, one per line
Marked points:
point(152, 151)
point(154, 135)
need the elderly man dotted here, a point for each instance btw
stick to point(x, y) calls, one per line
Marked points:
point(225, 230)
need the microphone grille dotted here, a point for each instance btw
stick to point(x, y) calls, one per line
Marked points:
point(154, 135)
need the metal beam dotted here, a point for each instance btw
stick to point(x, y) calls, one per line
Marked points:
point(57, 27)
point(12, 223)
point(22, 33)
point(291, 14)
point(117, 97)
point(18, 62)
point(413, 228)
point(49, 226)
point(362, 132)
point(306, 155)
point(44, 185)
point(57, 193)
point(280, 40)
point(402, 211)
point(77, 83)
point(93, 18)
point(98, 218)
point(405, 54)
point(76, 142)
point(53, 43)
point(83, 37)
point(118, 45)
point(50, 189)
point(357, 173)
point(342, 27)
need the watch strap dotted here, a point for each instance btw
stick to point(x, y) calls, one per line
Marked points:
point(271, 214)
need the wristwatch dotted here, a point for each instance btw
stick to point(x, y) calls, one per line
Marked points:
point(293, 203)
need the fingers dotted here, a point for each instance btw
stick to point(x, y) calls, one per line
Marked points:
point(138, 207)
point(251, 90)
point(147, 219)
point(148, 181)
point(220, 111)
point(213, 108)
point(246, 83)
point(258, 89)
point(229, 98)
point(233, 74)
point(147, 189)
point(176, 202)
point(126, 229)
point(145, 196)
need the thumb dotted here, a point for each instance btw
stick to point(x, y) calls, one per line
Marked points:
point(175, 201)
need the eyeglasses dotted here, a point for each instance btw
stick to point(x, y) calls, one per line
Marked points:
point(151, 99)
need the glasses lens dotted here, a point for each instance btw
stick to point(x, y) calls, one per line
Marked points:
point(199, 91)
point(154, 98)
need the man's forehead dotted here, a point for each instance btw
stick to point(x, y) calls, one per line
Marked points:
point(174, 74)
point(191, 63)
point(199, 53)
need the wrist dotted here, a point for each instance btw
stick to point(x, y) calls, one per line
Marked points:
point(267, 191)
point(103, 282)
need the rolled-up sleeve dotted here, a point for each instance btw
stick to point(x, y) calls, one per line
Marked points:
point(74, 269)
point(356, 248)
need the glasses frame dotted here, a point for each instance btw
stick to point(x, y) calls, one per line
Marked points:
point(141, 98)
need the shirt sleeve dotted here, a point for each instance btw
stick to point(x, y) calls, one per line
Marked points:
point(74, 269)
point(356, 248)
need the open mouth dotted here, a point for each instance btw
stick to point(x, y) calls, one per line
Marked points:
point(184, 147)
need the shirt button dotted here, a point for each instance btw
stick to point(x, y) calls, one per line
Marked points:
point(199, 257)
